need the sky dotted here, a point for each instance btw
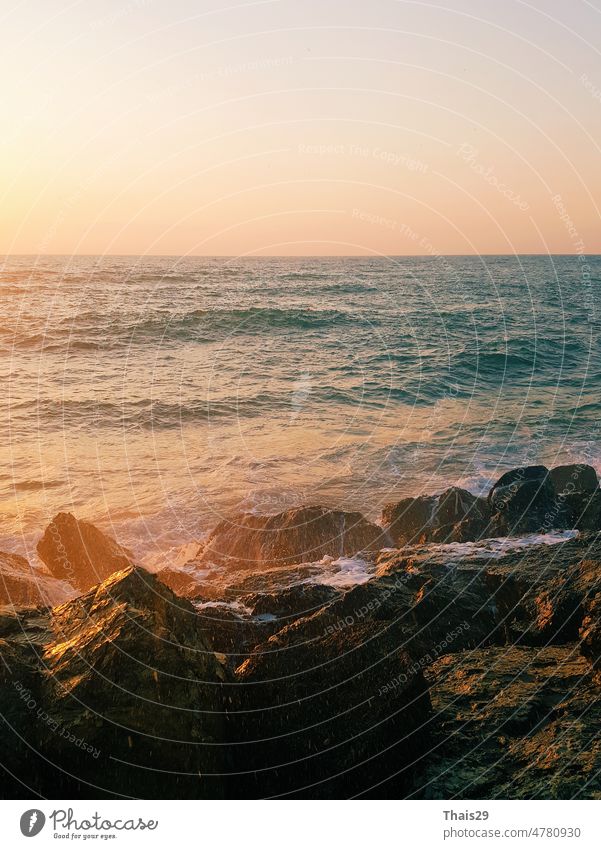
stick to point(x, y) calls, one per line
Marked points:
point(283, 127)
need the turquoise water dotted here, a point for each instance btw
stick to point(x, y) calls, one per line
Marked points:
point(156, 395)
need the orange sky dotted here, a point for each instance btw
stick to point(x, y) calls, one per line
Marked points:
point(282, 127)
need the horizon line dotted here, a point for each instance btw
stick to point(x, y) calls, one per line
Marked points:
point(302, 256)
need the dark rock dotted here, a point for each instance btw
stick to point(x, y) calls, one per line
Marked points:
point(77, 552)
point(291, 603)
point(524, 501)
point(233, 635)
point(540, 592)
point(127, 688)
point(301, 535)
point(577, 477)
point(327, 714)
point(453, 516)
point(23, 633)
point(513, 723)
point(583, 510)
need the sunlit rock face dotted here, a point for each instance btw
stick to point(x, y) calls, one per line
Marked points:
point(78, 552)
point(513, 723)
point(125, 685)
point(295, 536)
point(445, 670)
point(22, 584)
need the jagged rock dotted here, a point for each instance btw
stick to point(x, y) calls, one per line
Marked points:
point(540, 592)
point(291, 603)
point(524, 501)
point(331, 715)
point(129, 672)
point(301, 535)
point(233, 635)
point(22, 584)
point(513, 723)
point(590, 632)
point(453, 516)
point(78, 552)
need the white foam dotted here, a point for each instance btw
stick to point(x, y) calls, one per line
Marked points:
point(235, 606)
point(495, 547)
point(344, 572)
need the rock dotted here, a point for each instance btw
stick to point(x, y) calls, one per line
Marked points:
point(590, 632)
point(578, 496)
point(120, 689)
point(540, 592)
point(23, 633)
point(318, 714)
point(21, 584)
point(291, 603)
point(231, 634)
point(129, 671)
point(77, 552)
point(512, 723)
point(577, 477)
point(301, 535)
point(524, 501)
point(181, 582)
point(453, 516)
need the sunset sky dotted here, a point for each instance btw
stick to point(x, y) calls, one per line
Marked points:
point(288, 127)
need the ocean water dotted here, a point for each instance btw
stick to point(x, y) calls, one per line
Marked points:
point(156, 395)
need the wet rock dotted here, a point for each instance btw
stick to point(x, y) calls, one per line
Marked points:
point(319, 714)
point(23, 633)
point(129, 673)
point(78, 552)
point(301, 535)
point(540, 592)
point(578, 494)
point(231, 634)
point(590, 632)
point(181, 582)
point(513, 723)
point(22, 584)
point(524, 501)
point(292, 602)
point(453, 516)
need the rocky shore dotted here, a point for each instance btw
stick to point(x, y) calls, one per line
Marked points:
point(449, 651)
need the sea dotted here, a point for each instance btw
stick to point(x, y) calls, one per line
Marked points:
point(155, 396)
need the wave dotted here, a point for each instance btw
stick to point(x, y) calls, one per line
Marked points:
point(91, 330)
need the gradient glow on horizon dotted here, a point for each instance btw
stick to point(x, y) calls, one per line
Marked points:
point(281, 127)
